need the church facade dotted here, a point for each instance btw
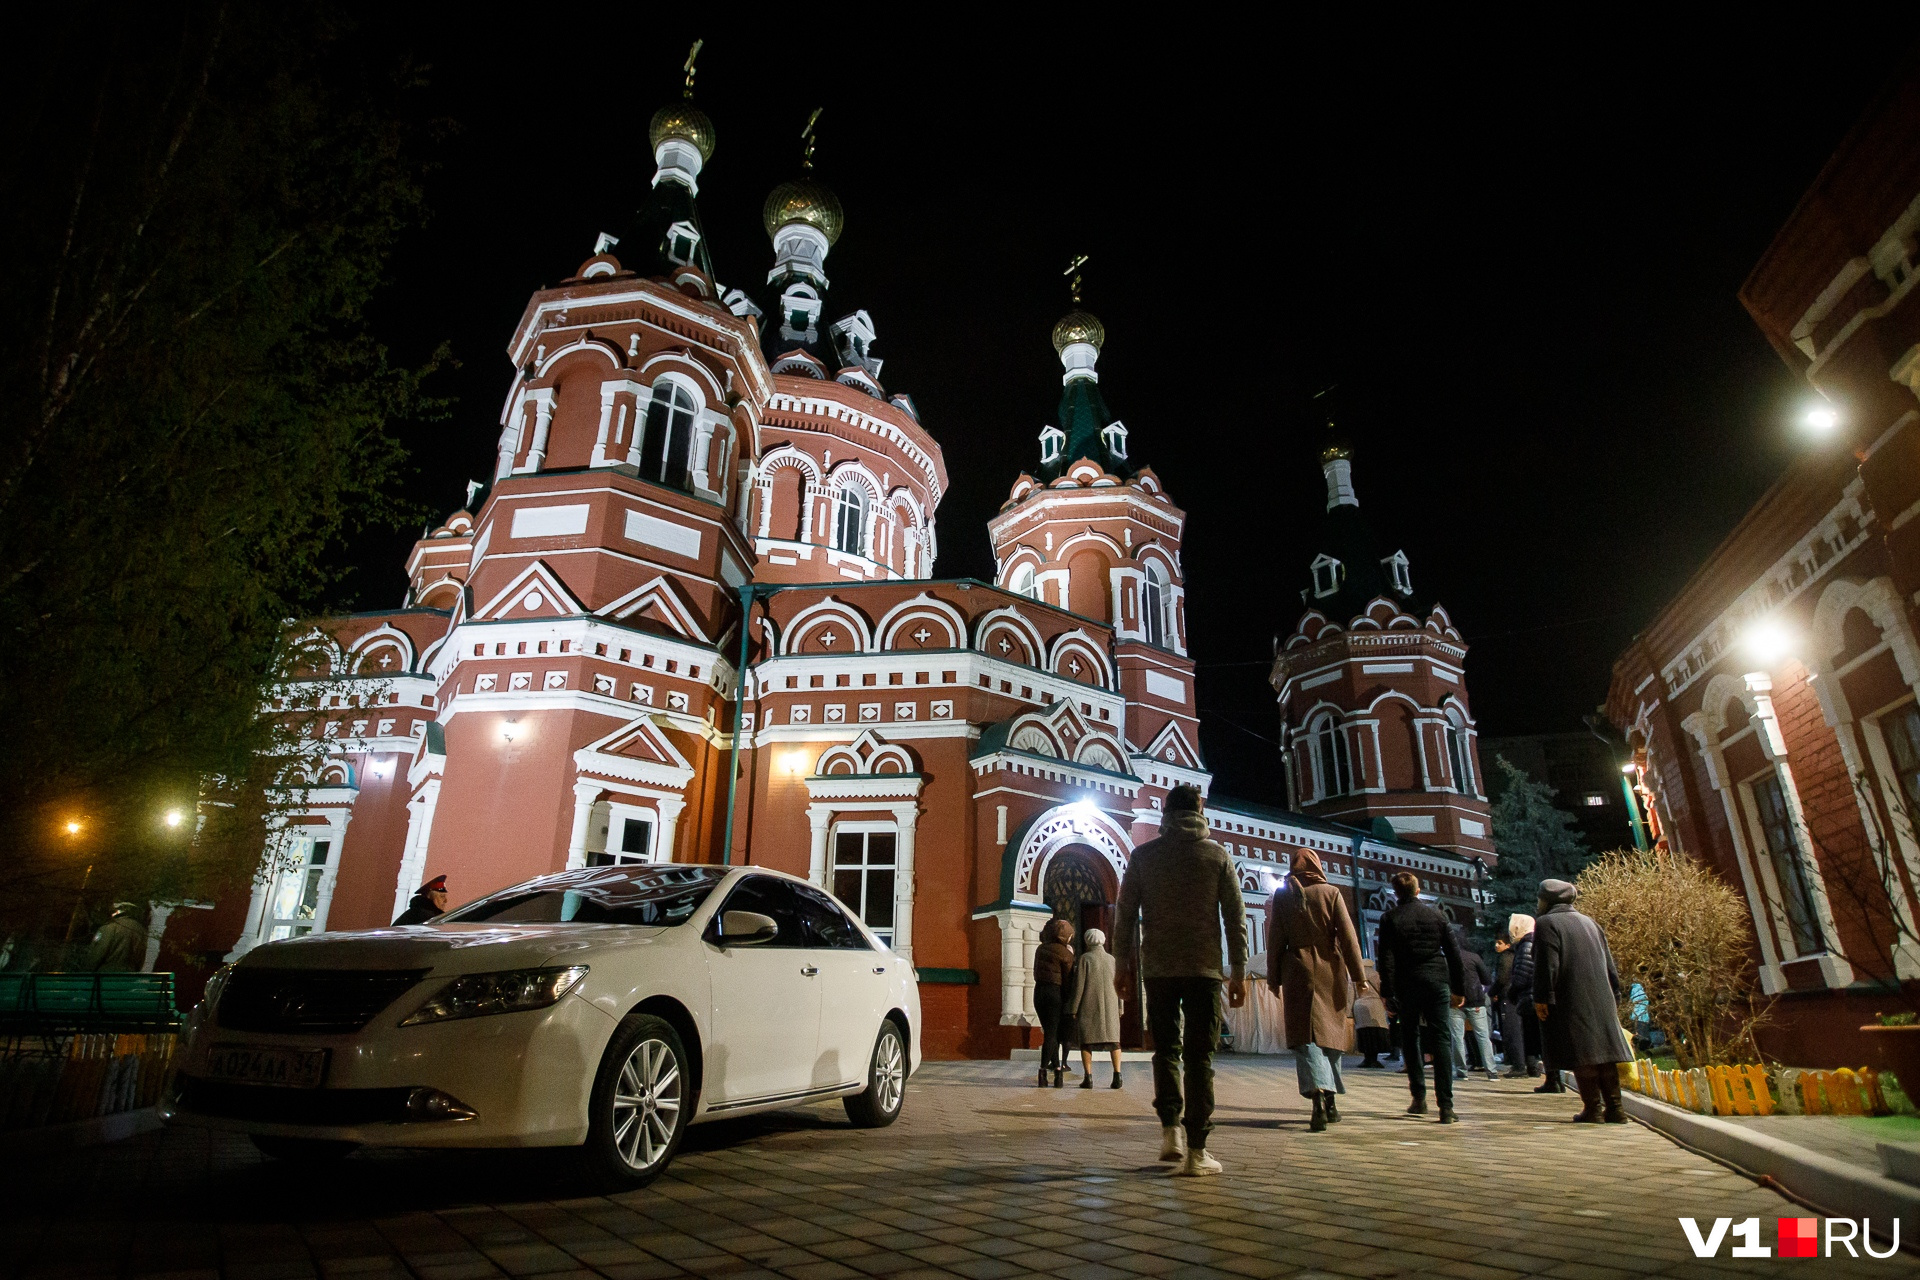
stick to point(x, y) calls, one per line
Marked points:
point(694, 617)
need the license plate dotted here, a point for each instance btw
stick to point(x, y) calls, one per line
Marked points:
point(253, 1064)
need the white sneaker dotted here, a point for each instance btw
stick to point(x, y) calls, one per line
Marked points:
point(1198, 1164)
point(1173, 1143)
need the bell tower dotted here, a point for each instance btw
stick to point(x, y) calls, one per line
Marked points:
point(1372, 686)
point(1091, 532)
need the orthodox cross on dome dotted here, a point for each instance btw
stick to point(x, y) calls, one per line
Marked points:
point(692, 54)
point(810, 136)
point(1073, 271)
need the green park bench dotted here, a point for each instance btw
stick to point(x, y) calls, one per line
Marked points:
point(47, 1004)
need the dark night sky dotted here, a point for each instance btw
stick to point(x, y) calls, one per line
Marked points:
point(1517, 253)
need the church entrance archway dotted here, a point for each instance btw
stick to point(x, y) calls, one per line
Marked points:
point(1080, 888)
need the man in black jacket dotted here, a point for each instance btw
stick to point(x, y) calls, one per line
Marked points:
point(1421, 977)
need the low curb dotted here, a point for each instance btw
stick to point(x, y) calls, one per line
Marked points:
point(1833, 1187)
point(78, 1133)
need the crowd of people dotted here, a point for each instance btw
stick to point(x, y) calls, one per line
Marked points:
point(1554, 990)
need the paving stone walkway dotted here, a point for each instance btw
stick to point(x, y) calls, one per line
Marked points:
point(984, 1176)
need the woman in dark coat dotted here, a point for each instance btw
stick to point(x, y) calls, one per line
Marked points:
point(1313, 955)
point(1576, 994)
point(1520, 929)
point(1052, 966)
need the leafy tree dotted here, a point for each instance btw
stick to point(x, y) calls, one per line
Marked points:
point(201, 202)
point(1535, 841)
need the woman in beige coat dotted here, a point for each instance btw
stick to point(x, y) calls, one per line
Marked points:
point(1094, 1007)
point(1313, 963)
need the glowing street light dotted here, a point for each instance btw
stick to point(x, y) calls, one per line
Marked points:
point(1821, 419)
point(73, 826)
point(1629, 768)
point(174, 818)
point(1768, 641)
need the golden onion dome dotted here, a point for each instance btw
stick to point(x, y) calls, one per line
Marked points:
point(682, 120)
point(1078, 326)
point(804, 200)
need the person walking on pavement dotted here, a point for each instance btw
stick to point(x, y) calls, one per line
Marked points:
point(1576, 993)
point(1370, 1018)
point(1521, 929)
point(1421, 976)
point(1473, 970)
point(120, 945)
point(1052, 967)
point(429, 900)
point(1512, 1040)
point(1093, 1006)
point(1179, 896)
point(1313, 956)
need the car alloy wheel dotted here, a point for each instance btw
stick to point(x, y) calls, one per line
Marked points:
point(879, 1104)
point(646, 1105)
point(643, 1096)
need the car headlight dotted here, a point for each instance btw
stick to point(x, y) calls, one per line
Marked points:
point(478, 995)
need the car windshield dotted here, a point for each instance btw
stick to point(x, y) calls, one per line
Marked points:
point(598, 895)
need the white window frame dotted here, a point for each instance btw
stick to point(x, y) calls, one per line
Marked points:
point(866, 827)
point(1332, 571)
point(851, 496)
point(619, 815)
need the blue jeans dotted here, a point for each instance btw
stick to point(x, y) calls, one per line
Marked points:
point(1319, 1070)
point(1461, 1019)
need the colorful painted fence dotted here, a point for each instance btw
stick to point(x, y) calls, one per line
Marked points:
point(1748, 1089)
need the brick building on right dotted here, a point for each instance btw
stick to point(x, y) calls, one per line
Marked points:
point(1771, 704)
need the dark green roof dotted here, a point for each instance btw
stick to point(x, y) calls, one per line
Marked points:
point(646, 251)
point(1083, 417)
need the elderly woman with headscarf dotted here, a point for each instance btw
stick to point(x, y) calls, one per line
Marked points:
point(1520, 991)
point(1093, 1006)
point(1053, 964)
point(1576, 994)
point(1313, 964)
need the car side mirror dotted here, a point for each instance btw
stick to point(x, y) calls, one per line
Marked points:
point(747, 929)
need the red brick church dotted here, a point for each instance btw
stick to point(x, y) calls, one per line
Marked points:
point(710, 538)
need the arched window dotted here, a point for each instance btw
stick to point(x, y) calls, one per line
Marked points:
point(1330, 758)
point(669, 438)
point(1023, 583)
point(1153, 604)
point(850, 520)
point(1457, 757)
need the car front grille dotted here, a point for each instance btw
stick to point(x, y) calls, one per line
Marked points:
point(310, 1001)
point(269, 1105)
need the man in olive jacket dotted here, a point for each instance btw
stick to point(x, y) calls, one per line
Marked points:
point(1180, 891)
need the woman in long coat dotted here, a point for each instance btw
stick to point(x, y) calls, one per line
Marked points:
point(1094, 1007)
point(1053, 964)
point(1313, 963)
point(1576, 993)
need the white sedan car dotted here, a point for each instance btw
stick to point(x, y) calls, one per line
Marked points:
point(606, 1008)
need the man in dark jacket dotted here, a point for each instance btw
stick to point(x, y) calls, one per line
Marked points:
point(428, 902)
point(1576, 994)
point(1180, 894)
point(120, 946)
point(1473, 968)
point(1421, 977)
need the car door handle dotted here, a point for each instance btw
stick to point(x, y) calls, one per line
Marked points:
point(879, 968)
point(808, 970)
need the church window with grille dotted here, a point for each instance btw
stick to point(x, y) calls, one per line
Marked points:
point(1024, 583)
point(850, 521)
point(1330, 759)
point(1153, 605)
point(1901, 728)
point(669, 435)
point(1458, 758)
point(1789, 863)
